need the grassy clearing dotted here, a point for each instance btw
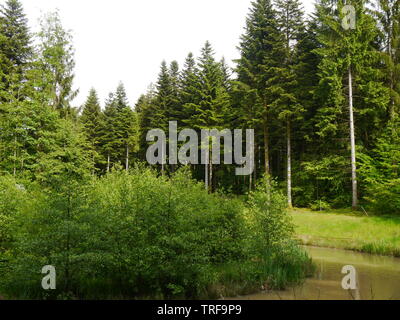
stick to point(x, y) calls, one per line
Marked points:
point(343, 229)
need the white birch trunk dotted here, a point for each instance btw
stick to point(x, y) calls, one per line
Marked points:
point(289, 165)
point(352, 144)
point(206, 170)
point(127, 159)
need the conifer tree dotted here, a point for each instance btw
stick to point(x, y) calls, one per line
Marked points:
point(108, 138)
point(388, 14)
point(119, 130)
point(15, 56)
point(350, 60)
point(209, 104)
point(189, 83)
point(15, 45)
point(91, 120)
point(291, 24)
point(261, 54)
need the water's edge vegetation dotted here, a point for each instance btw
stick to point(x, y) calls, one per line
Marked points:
point(139, 235)
point(350, 230)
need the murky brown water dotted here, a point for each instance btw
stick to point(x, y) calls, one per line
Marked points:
point(378, 278)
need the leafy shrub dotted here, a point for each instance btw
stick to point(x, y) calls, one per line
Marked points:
point(384, 198)
point(320, 205)
point(380, 172)
point(12, 199)
point(267, 211)
point(140, 235)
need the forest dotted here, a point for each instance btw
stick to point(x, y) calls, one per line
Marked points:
point(76, 190)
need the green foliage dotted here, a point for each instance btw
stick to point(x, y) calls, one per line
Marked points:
point(118, 132)
point(15, 45)
point(113, 233)
point(12, 199)
point(56, 63)
point(136, 235)
point(320, 205)
point(267, 211)
point(381, 172)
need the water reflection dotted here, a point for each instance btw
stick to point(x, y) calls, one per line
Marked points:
point(378, 278)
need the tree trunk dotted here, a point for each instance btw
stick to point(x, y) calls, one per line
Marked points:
point(15, 156)
point(266, 154)
point(353, 144)
point(206, 170)
point(162, 160)
point(127, 159)
point(266, 147)
point(108, 163)
point(289, 165)
point(93, 164)
point(390, 54)
point(252, 154)
point(211, 174)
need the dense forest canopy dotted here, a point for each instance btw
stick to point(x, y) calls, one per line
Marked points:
point(324, 102)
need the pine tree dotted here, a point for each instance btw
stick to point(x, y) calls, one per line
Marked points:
point(15, 55)
point(107, 135)
point(189, 83)
point(126, 126)
point(144, 108)
point(350, 60)
point(291, 24)
point(261, 55)
point(175, 103)
point(15, 44)
point(91, 120)
point(119, 130)
point(208, 105)
point(389, 17)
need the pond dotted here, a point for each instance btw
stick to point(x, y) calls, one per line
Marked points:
point(378, 278)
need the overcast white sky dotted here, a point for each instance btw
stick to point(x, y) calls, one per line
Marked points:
point(126, 40)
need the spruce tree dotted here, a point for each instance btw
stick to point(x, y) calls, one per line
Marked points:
point(119, 130)
point(208, 106)
point(388, 14)
point(291, 24)
point(109, 141)
point(261, 55)
point(15, 44)
point(350, 60)
point(189, 83)
point(91, 120)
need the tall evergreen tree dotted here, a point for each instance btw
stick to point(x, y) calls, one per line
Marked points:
point(91, 120)
point(261, 55)
point(350, 61)
point(189, 84)
point(15, 44)
point(291, 23)
point(119, 130)
point(389, 17)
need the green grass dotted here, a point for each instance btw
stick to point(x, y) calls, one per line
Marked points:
point(344, 229)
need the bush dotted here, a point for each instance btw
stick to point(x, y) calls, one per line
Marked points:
point(139, 235)
point(384, 198)
point(320, 205)
point(270, 221)
point(13, 198)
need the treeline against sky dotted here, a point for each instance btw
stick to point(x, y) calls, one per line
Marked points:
point(294, 83)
